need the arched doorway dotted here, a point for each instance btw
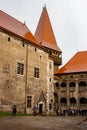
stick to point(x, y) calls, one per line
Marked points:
point(40, 108)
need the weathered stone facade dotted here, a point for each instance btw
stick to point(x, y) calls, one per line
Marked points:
point(71, 91)
point(16, 88)
point(27, 66)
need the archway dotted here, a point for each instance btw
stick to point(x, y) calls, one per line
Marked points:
point(72, 101)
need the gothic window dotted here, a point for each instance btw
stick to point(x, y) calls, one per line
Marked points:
point(20, 68)
point(36, 72)
point(29, 101)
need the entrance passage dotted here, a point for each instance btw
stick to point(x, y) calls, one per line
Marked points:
point(40, 108)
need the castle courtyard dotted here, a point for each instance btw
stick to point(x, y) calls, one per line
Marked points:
point(43, 123)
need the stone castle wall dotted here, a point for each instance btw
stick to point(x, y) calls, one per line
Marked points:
point(14, 87)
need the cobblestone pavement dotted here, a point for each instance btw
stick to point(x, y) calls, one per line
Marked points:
point(43, 123)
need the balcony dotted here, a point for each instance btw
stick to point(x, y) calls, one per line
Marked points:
point(71, 89)
point(82, 89)
point(57, 60)
point(63, 89)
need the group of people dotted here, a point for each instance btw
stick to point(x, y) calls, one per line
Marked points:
point(64, 112)
point(73, 112)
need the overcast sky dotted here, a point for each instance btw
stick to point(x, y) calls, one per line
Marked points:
point(68, 19)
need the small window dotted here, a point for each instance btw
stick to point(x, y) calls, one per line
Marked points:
point(50, 79)
point(40, 57)
point(57, 84)
point(29, 101)
point(50, 65)
point(23, 44)
point(36, 72)
point(20, 68)
point(50, 106)
point(71, 76)
point(35, 49)
point(9, 39)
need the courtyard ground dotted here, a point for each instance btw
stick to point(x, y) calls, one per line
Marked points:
point(43, 123)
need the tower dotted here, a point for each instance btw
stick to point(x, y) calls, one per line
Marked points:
point(46, 38)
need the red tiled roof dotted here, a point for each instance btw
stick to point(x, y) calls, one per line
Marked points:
point(11, 24)
point(78, 63)
point(44, 32)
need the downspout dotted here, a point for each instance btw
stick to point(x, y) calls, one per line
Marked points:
point(26, 64)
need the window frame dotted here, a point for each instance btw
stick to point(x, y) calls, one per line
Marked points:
point(36, 72)
point(20, 68)
point(29, 101)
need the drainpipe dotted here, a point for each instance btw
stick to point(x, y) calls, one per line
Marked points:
point(26, 70)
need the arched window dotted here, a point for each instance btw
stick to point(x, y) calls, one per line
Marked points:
point(57, 84)
point(83, 100)
point(72, 84)
point(82, 86)
point(63, 84)
point(82, 83)
point(72, 100)
point(63, 100)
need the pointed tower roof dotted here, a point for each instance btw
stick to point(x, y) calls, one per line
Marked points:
point(44, 32)
point(14, 26)
point(77, 64)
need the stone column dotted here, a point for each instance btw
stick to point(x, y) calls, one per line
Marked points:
point(77, 94)
point(68, 95)
point(47, 96)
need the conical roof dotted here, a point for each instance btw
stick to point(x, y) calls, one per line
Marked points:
point(77, 64)
point(14, 26)
point(44, 32)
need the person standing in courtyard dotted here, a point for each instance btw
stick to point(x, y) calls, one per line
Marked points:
point(14, 110)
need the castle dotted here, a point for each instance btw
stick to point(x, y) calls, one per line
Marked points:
point(29, 70)
point(27, 64)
